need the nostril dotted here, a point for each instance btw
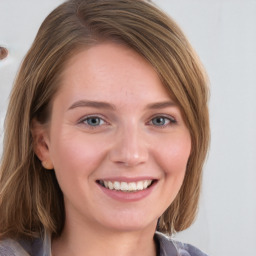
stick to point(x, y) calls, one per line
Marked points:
point(3, 53)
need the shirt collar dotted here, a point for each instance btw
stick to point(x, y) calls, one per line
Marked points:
point(166, 245)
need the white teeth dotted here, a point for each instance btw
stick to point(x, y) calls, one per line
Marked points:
point(110, 185)
point(126, 186)
point(117, 185)
point(132, 186)
point(140, 185)
point(146, 183)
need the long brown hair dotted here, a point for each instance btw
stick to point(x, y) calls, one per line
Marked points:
point(30, 198)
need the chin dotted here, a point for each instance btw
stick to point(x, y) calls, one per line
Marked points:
point(130, 223)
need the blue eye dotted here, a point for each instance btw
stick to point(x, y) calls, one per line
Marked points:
point(93, 121)
point(162, 121)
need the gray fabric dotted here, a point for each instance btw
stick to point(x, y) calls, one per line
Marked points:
point(38, 247)
point(10, 247)
point(170, 247)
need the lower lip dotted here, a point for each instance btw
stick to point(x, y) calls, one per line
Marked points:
point(128, 196)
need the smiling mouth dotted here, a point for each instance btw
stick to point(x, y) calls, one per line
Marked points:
point(126, 186)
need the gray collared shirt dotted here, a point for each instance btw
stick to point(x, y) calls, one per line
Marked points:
point(40, 247)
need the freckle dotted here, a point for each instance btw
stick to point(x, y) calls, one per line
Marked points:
point(3, 53)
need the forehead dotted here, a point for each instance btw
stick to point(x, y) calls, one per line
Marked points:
point(108, 69)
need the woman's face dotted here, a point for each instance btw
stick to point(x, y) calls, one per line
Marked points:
point(117, 141)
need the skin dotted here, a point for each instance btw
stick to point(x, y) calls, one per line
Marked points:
point(132, 137)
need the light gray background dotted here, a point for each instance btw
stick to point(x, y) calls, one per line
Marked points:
point(224, 34)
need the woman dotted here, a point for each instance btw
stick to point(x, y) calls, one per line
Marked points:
point(105, 136)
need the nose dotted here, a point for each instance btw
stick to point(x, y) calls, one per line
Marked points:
point(129, 148)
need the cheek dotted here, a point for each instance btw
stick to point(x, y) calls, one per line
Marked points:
point(174, 154)
point(77, 154)
point(171, 155)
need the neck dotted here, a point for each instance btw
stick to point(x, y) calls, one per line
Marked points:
point(96, 241)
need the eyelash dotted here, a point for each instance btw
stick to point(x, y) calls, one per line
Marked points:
point(170, 121)
point(167, 121)
point(84, 121)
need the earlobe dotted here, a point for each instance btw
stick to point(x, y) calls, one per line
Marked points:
point(47, 165)
point(41, 143)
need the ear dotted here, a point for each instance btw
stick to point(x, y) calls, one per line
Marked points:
point(40, 135)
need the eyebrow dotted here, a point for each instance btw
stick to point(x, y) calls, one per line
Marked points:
point(159, 105)
point(93, 104)
point(105, 105)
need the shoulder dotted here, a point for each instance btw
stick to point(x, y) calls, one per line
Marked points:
point(188, 250)
point(9, 247)
point(170, 247)
point(25, 247)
